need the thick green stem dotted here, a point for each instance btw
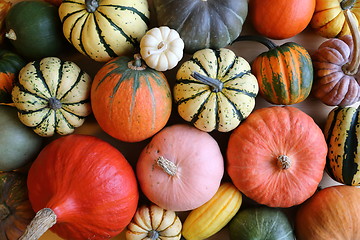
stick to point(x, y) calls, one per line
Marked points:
point(352, 67)
point(91, 5)
point(4, 212)
point(215, 84)
point(347, 4)
point(265, 41)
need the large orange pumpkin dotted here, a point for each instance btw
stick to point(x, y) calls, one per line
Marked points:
point(277, 156)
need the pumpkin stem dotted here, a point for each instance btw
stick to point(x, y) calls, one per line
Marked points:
point(4, 212)
point(347, 4)
point(351, 68)
point(216, 84)
point(91, 5)
point(260, 39)
point(54, 103)
point(137, 63)
point(11, 35)
point(284, 162)
point(43, 221)
point(153, 235)
point(168, 166)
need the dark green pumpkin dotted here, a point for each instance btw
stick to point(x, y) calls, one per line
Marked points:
point(342, 134)
point(15, 209)
point(261, 223)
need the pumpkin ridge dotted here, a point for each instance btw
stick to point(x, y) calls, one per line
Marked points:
point(200, 65)
point(81, 45)
point(239, 75)
point(245, 92)
point(202, 107)
point(72, 113)
point(229, 67)
point(185, 18)
point(184, 100)
point(153, 102)
point(219, 17)
point(39, 75)
point(236, 110)
point(131, 9)
point(43, 119)
point(23, 89)
point(78, 79)
point(118, 68)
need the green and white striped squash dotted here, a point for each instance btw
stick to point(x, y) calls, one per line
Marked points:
point(52, 96)
point(104, 29)
point(342, 133)
point(215, 90)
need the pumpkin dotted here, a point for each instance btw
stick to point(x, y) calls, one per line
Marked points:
point(176, 172)
point(261, 223)
point(104, 29)
point(15, 209)
point(332, 213)
point(280, 19)
point(52, 96)
point(206, 220)
point(277, 156)
point(10, 65)
point(130, 101)
point(161, 48)
point(4, 9)
point(215, 90)
point(34, 29)
point(19, 145)
point(203, 24)
point(83, 187)
point(336, 65)
point(341, 133)
point(154, 223)
point(329, 19)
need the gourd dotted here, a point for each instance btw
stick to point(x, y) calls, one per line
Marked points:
point(15, 209)
point(154, 223)
point(280, 19)
point(34, 29)
point(161, 48)
point(332, 213)
point(104, 29)
point(130, 101)
point(176, 172)
point(277, 156)
point(262, 223)
point(4, 9)
point(342, 138)
point(203, 24)
point(83, 188)
point(52, 96)
point(215, 90)
point(206, 220)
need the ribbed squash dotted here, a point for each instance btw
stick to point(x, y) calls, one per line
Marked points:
point(342, 135)
point(104, 29)
point(211, 217)
point(52, 96)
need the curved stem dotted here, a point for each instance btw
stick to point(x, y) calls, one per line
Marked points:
point(216, 84)
point(347, 4)
point(351, 68)
point(91, 5)
point(284, 162)
point(166, 165)
point(4, 212)
point(265, 41)
point(137, 63)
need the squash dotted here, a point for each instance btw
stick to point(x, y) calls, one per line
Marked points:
point(215, 90)
point(336, 64)
point(52, 96)
point(277, 156)
point(161, 48)
point(15, 209)
point(332, 213)
point(329, 19)
point(280, 19)
point(130, 101)
point(342, 134)
point(261, 223)
point(104, 29)
point(203, 24)
point(83, 187)
point(4, 9)
point(176, 172)
point(154, 223)
point(19, 145)
point(211, 217)
point(34, 29)
point(10, 65)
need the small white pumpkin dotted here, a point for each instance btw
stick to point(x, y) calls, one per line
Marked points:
point(161, 48)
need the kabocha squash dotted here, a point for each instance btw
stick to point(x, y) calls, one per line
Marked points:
point(52, 96)
point(104, 29)
point(332, 213)
point(176, 172)
point(277, 156)
point(342, 135)
point(4, 9)
point(215, 90)
point(154, 223)
point(203, 24)
point(131, 102)
point(211, 217)
point(83, 187)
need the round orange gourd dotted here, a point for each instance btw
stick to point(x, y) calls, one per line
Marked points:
point(277, 156)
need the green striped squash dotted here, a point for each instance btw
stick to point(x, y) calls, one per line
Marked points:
point(342, 133)
point(104, 29)
point(52, 96)
point(215, 90)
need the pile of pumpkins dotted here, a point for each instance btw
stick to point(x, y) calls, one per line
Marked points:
point(199, 146)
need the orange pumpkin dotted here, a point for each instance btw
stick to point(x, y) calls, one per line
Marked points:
point(277, 156)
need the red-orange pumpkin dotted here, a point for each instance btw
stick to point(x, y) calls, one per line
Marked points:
point(277, 156)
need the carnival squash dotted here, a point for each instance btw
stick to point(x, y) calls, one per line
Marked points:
point(131, 102)
point(175, 170)
point(215, 90)
point(277, 156)
point(81, 187)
